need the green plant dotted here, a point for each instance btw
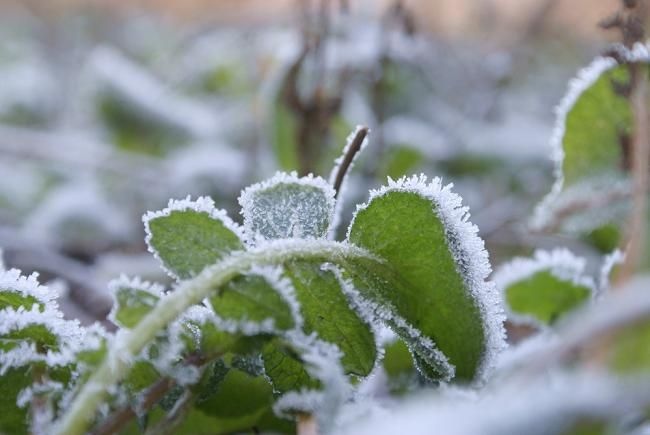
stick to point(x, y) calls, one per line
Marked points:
point(277, 296)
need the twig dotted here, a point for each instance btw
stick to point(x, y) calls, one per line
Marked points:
point(119, 419)
point(636, 225)
point(351, 151)
point(154, 394)
point(631, 20)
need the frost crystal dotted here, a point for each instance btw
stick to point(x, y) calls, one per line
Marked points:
point(468, 250)
point(286, 206)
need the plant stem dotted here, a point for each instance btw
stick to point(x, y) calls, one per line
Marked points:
point(128, 344)
point(635, 229)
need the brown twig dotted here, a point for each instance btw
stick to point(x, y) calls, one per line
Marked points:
point(120, 418)
point(630, 20)
point(116, 421)
point(353, 148)
point(636, 225)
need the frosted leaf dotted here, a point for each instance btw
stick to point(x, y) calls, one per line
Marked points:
point(418, 343)
point(423, 230)
point(286, 206)
point(593, 152)
point(189, 235)
point(17, 291)
point(132, 300)
point(327, 311)
point(32, 329)
point(261, 301)
point(541, 289)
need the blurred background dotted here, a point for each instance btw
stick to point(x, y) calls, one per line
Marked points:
point(109, 108)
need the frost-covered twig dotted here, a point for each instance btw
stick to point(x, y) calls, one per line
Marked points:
point(128, 344)
point(350, 152)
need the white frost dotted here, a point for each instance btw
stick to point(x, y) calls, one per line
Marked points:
point(299, 215)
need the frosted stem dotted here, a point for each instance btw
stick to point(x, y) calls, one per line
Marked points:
point(128, 344)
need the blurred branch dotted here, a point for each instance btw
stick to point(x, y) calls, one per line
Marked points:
point(631, 20)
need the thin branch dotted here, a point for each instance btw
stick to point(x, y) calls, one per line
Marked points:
point(119, 419)
point(351, 151)
point(636, 225)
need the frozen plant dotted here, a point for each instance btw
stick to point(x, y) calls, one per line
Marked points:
point(274, 312)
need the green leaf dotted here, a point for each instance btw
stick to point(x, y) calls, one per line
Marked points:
point(142, 375)
point(326, 311)
point(189, 235)
point(545, 287)
point(399, 367)
point(595, 123)
point(287, 206)
point(11, 299)
point(135, 131)
point(38, 334)
point(14, 420)
point(430, 285)
point(285, 369)
point(254, 301)
point(18, 291)
point(237, 404)
point(605, 238)
point(132, 300)
point(629, 350)
point(401, 159)
point(545, 297)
